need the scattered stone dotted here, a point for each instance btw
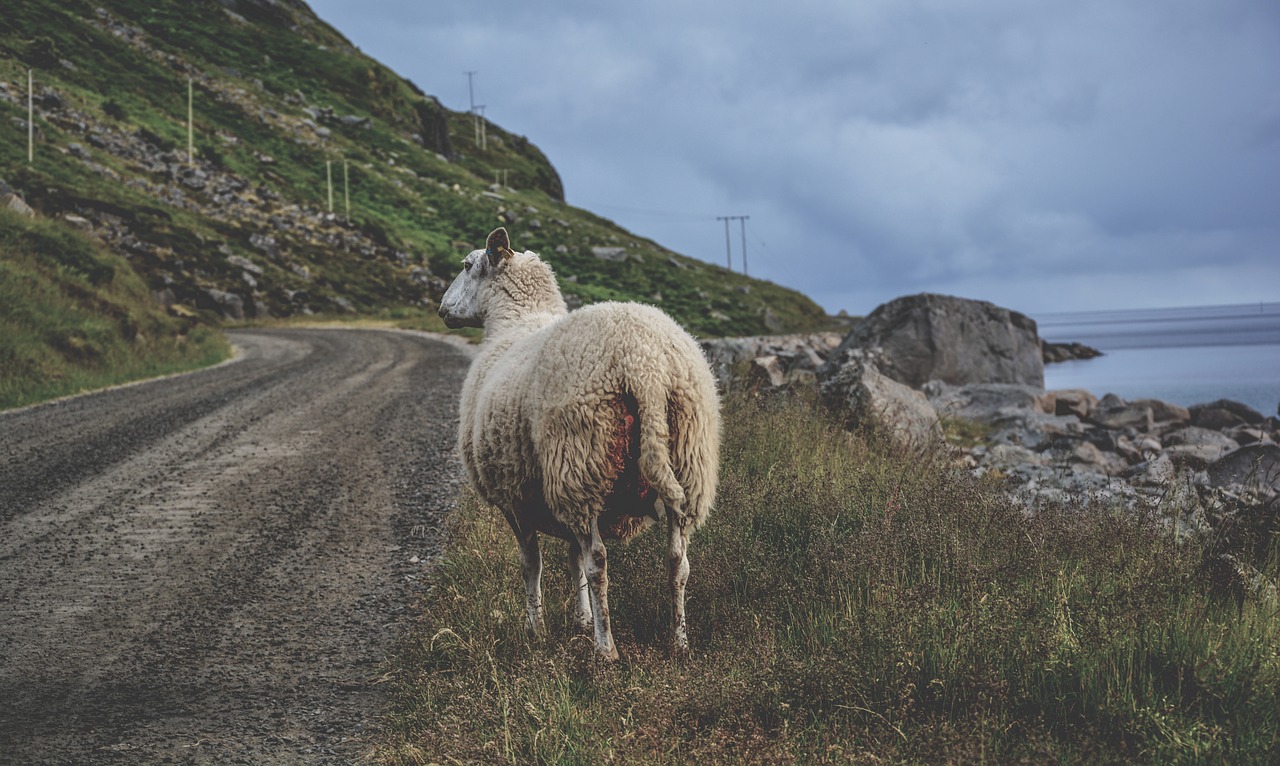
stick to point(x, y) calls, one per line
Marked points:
point(230, 305)
point(1164, 414)
point(1074, 401)
point(240, 262)
point(1252, 467)
point(1195, 436)
point(10, 200)
point(864, 398)
point(1115, 413)
point(767, 371)
point(616, 254)
point(1224, 413)
point(983, 402)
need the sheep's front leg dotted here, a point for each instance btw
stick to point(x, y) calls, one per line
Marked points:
point(594, 565)
point(678, 575)
point(531, 567)
point(578, 577)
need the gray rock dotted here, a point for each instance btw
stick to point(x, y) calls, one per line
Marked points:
point(863, 398)
point(1073, 401)
point(1200, 437)
point(1088, 455)
point(1252, 467)
point(1155, 472)
point(985, 402)
point(1166, 415)
point(229, 305)
point(616, 254)
point(10, 200)
point(767, 371)
point(1006, 455)
point(1223, 414)
point(954, 340)
point(1114, 413)
point(1195, 456)
point(240, 262)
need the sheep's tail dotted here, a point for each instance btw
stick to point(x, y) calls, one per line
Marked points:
point(655, 448)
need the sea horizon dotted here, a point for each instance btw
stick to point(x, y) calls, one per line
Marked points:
point(1183, 355)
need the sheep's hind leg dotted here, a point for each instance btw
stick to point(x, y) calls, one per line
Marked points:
point(594, 565)
point(678, 575)
point(531, 567)
point(578, 577)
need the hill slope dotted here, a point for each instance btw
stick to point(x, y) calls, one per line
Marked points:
point(283, 103)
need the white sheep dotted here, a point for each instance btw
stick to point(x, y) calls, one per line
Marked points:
point(583, 426)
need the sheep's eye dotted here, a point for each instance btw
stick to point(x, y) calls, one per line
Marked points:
point(466, 265)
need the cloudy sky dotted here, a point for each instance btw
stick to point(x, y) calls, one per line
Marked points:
point(1046, 156)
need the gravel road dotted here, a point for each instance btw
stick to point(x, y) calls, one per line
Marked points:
point(210, 568)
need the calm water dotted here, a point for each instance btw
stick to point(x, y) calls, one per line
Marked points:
point(1185, 356)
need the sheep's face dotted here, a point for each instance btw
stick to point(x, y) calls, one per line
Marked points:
point(462, 304)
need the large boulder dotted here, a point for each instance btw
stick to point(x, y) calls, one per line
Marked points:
point(955, 340)
point(863, 398)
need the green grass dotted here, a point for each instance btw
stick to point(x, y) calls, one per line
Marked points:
point(74, 317)
point(848, 604)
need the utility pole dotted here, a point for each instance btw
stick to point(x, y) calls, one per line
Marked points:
point(482, 130)
point(471, 91)
point(728, 253)
point(191, 139)
point(743, 220)
point(328, 174)
point(346, 190)
point(31, 117)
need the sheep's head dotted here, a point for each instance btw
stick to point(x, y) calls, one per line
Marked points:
point(463, 303)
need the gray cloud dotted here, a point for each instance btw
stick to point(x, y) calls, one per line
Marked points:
point(1044, 156)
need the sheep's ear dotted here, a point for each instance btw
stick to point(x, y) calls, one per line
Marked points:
point(498, 247)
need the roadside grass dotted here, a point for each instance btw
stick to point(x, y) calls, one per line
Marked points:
point(849, 604)
point(73, 317)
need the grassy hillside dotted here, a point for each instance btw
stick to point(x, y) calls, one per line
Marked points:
point(73, 317)
point(852, 605)
point(246, 229)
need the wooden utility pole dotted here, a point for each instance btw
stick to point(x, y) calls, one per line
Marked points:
point(191, 130)
point(328, 174)
point(346, 190)
point(31, 117)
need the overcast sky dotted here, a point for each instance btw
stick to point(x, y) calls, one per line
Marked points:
point(1046, 156)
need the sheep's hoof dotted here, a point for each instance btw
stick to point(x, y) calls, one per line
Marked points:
point(537, 631)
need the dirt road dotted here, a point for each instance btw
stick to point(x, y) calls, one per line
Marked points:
point(209, 568)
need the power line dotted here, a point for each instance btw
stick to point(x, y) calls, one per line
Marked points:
point(669, 214)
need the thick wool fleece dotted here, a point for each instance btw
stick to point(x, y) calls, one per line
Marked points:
point(539, 415)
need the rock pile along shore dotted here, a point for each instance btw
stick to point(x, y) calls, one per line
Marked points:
point(921, 366)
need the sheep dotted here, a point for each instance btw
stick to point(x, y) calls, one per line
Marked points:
point(585, 426)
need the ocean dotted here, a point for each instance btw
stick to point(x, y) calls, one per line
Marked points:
point(1184, 356)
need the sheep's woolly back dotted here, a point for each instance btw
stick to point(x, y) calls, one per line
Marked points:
point(539, 407)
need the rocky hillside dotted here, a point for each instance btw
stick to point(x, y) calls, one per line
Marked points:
point(291, 121)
